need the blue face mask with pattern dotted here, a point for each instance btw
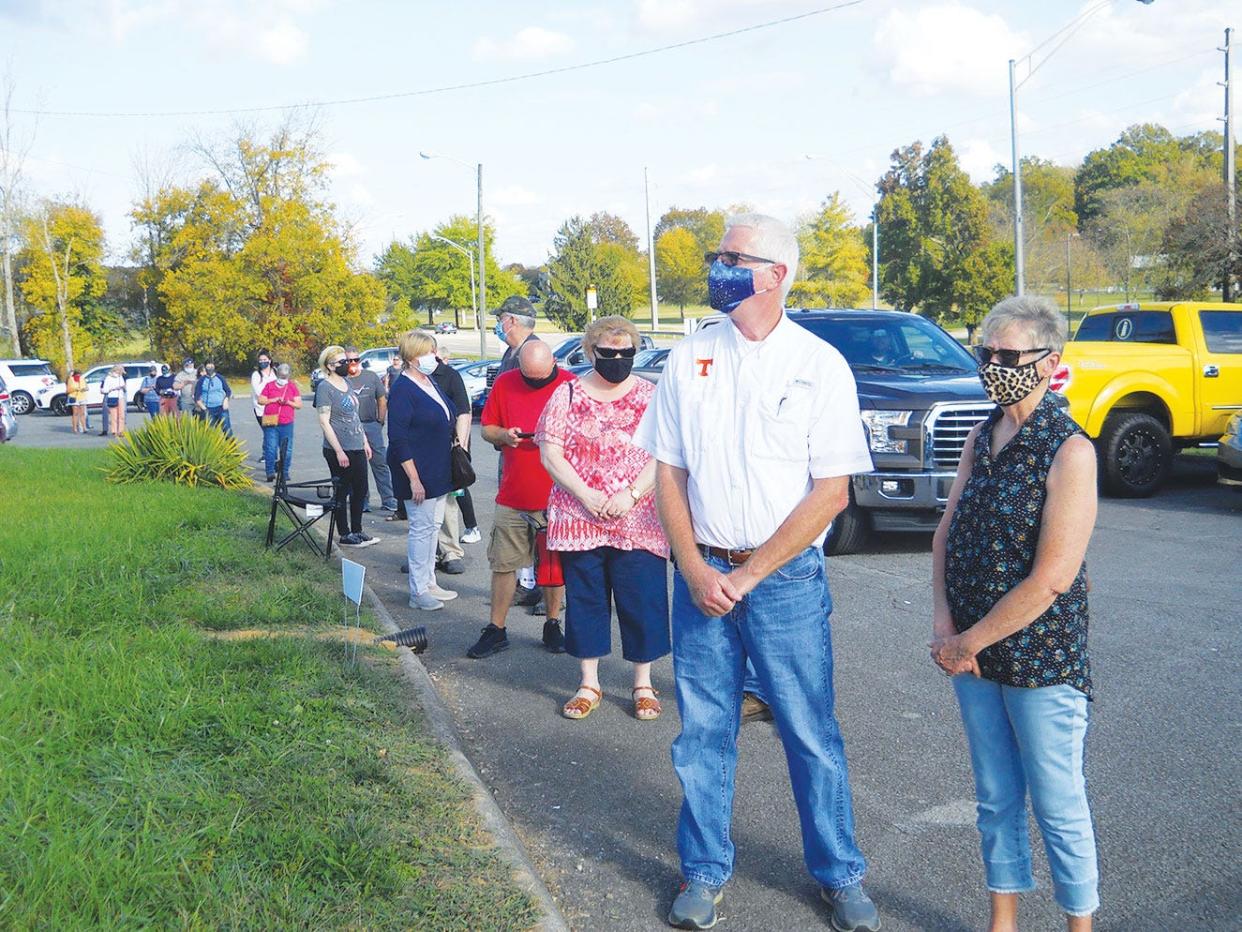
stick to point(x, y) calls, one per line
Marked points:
point(728, 286)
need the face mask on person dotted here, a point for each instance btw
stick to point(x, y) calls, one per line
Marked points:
point(281, 383)
point(427, 364)
point(1007, 385)
point(264, 363)
point(541, 383)
point(499, 330)
point(729, 285)
point(614, 365)
point(210, 371)
point(341, 368)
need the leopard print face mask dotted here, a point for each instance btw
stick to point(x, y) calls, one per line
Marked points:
point(1007, 385)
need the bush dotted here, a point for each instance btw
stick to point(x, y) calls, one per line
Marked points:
point(184, 450)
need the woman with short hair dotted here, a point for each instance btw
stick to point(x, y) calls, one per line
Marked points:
point(150, 396)
point(421, 421)
point(1010, 614)
point(345, 446)
point(602, 518)
point(75, 395)
point(115, 397)
point(281, 399)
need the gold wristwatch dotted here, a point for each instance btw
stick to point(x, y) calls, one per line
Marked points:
point(634, 494)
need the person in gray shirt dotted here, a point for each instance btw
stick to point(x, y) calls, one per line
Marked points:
point(345, 446)
point(372, 412)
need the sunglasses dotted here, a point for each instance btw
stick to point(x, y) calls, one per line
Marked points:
point(1008, 358)
point(731, 258)
point(608, 352)
point(353, 359)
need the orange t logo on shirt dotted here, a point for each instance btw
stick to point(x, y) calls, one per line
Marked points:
point(704, 365)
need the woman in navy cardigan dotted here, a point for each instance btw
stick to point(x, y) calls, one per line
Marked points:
point(420, 432)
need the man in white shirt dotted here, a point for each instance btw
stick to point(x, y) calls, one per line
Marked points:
point(756, 431)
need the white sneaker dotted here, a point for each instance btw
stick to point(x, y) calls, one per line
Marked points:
point(426, 602)
point(471, 536)
point(438, 592)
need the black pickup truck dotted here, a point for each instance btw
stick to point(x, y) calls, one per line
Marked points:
point(920, 394)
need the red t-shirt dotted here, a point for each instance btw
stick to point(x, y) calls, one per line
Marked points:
point(524, 483)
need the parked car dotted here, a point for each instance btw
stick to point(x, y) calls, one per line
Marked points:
point(25, 379)
point(474, 374)
point(377, 360)
point(446, 326)
point(1229, 454)
point(916, 410)
point(1144, 379)
point(568, 354)
point(54, 398)
point(8, 419)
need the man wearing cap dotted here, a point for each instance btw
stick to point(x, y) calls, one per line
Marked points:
point(185, 382)
point(756, 432)
point(515, 326)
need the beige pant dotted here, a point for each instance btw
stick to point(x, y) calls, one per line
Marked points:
point(449, 536)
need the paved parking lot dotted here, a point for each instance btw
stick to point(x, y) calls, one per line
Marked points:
point(596, 801)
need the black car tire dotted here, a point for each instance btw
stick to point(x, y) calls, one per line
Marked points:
point(23, 402)
point(1135, 454)
point(59, 406)
point(138, 401)
point(849, 531)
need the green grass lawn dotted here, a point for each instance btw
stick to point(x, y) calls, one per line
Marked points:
point(153, 775)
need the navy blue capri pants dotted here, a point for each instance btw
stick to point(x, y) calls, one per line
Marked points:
point(637, 581)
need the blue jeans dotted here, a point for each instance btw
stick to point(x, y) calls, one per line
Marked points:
point(1031, 740)
point(220, 416)
point(152, 403)
point(637, 582)
point(782, 625)
point(273, 437)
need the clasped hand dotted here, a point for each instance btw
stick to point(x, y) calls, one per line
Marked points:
point(607, 507)
point(952, 655)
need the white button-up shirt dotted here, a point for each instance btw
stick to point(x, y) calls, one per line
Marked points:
point(753, 423)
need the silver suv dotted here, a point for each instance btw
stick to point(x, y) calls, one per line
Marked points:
point(25, 378)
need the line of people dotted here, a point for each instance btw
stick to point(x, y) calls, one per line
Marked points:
point(734, 466)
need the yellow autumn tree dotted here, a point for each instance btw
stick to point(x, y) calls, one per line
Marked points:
point(832, 267)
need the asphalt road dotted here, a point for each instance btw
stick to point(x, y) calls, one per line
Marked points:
point(596, 801)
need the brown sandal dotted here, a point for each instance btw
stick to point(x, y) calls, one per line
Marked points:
point(646, 708)
point(579, 707)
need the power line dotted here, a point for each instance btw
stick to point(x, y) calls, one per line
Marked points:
point(449, 88)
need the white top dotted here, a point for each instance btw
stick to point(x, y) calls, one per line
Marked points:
point(753, 423)
point(257, 381)
point(113, 386)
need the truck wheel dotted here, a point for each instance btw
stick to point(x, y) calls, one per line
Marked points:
point(1135, 455)
point(60, 405)
point(849, 531)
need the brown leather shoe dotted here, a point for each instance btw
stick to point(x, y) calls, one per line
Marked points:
point(754, 709)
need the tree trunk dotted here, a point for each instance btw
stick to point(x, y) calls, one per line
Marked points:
point(10, 305)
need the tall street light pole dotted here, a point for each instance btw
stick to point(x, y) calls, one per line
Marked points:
point(474, 303)
point(1069, 288)
point(1231, 182)
point(1056, 40)
point(481, 311)
point(655, 308)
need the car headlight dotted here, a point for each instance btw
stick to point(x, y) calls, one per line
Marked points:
point(878, 424)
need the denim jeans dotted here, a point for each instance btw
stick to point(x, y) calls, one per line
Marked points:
point(273, 437)
point(636, 582)
point(220, 416)
point(1031, 740)
point(379, 463)
point(782, 625)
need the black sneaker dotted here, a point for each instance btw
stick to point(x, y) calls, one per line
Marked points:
point(539, 608)
point(349, 540)
point(366, 540)
point(527, 597)
point(492, 641)
point(452, 567)
point(553, 640)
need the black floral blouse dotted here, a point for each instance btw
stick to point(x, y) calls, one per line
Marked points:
point(991, 548)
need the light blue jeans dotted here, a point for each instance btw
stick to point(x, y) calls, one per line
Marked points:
point(1031, 740)
point(782, 626)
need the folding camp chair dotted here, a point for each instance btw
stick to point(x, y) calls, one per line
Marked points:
point(287, 496)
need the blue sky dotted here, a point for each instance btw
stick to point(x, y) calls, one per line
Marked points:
point(719, 123)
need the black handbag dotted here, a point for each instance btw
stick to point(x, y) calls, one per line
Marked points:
point(461, 472)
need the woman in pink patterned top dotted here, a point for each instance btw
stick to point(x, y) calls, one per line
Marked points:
point(602, 517)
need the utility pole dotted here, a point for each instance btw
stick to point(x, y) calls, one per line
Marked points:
point(1231, 180)
point(875, 258)
point(482, 275)
point(1018, 262)
point(655, 308)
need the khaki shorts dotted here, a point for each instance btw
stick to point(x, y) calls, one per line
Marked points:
point(512, 545)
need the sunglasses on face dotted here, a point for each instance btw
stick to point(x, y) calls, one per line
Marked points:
point(729, 257)
point(353, 359)
point(1009, 358)
point(608, 352)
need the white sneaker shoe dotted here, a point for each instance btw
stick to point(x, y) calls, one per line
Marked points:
point(471, 536)
point(438, 592)
point(426, 602)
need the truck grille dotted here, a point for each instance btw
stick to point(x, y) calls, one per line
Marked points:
point(947, 427)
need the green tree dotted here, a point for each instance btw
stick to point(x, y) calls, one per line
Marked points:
point(63, 280)
point(679, 263)
point(706, 226)
point(1199, 249)
point(577, 263)
point(832, 268)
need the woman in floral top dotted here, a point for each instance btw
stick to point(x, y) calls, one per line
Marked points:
point(1010, 627)
point(602, 517)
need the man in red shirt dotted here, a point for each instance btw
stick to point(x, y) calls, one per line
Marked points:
point(512, 410)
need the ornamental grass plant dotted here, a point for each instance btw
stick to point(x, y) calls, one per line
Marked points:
point(185, 450)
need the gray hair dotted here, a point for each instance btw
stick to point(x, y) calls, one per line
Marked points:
point(1042, 319)
point(283, 371)
point(772, 240)
point(520, 319)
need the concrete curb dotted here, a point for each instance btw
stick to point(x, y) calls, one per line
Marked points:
point(494, 820)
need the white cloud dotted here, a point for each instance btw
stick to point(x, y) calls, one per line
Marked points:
point(513, 195)
point(667, 15)
point(979, 159)
point(528, 44)
point(947, 47)
point(675, 16)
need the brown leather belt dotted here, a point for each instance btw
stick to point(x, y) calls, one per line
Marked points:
point(732, 557)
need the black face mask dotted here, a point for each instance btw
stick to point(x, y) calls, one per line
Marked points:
point(616, 370)
point(341, 368)
point(541, 383)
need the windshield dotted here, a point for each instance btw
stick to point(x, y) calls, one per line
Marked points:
point(29, 368)
point(566, 347)
point(905, 344)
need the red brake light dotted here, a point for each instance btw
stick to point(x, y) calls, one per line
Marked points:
point(1060, 379)
point(4, 396)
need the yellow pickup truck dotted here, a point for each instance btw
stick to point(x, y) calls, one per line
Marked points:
point(1144, 379)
